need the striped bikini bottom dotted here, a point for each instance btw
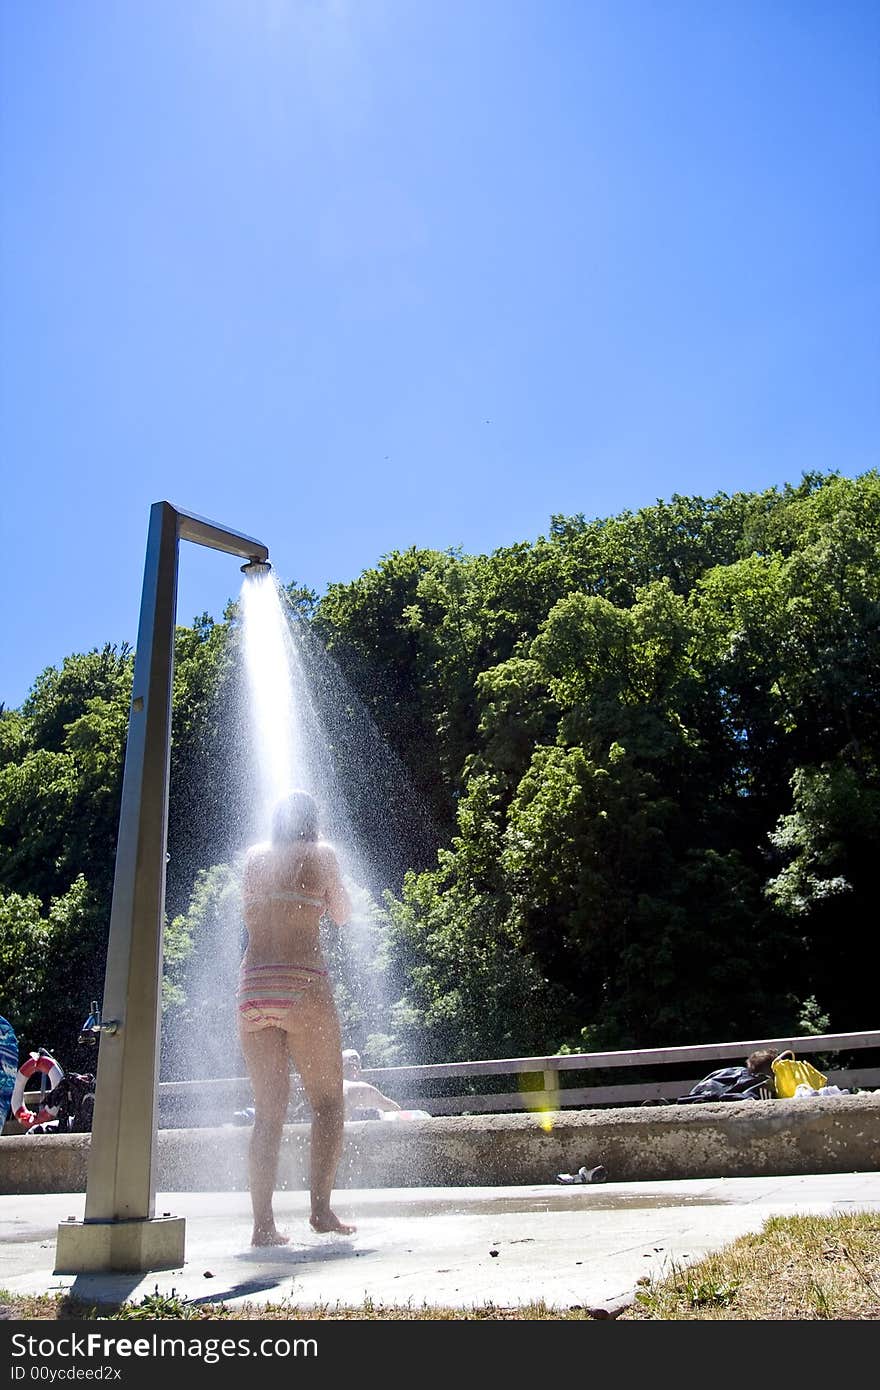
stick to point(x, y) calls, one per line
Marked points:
point(267, 993)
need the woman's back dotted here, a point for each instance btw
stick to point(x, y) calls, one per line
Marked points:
point(287, 888)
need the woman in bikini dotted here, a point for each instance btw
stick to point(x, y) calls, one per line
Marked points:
point(286, 1008)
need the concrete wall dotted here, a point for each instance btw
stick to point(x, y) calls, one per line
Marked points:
point(725, 1139)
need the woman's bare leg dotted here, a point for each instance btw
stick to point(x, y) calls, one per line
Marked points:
point(266, 1055)
point(316, 1048)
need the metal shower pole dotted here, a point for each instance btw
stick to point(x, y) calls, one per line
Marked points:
point(121, 1230)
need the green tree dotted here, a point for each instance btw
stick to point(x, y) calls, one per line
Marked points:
point(646, 746)
point(827, 885)
point(470, 987)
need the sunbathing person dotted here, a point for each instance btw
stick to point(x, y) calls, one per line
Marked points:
point(359, 1094)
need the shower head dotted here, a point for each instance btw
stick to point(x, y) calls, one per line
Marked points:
point(255, 569)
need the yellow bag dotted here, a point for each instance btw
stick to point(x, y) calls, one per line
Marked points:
point(788, 1074)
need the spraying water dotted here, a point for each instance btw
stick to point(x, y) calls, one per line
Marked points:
point(311, 732)
point(279, 759)
point(301, 726)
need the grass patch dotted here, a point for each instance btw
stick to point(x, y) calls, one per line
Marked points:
point(796, 1268)
point(158, 1306)
point(55, 1306)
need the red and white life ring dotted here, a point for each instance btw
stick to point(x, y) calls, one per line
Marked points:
point(37, 1062)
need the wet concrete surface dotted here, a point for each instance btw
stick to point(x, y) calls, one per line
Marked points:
point(459, 1247)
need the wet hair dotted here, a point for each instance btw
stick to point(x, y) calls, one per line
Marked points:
point(762, 1060)
point(295, 818)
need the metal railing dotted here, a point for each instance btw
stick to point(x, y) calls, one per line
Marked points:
point(538, 1081)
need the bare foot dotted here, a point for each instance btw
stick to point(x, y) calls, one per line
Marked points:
point(268, 1236)
point(325, 1221)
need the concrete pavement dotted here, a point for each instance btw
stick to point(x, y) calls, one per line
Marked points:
point(461, 1247)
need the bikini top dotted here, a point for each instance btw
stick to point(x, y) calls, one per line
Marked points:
point(288, 895)
point(281, 895)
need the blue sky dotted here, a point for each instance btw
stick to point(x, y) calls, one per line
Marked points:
point(353, 275)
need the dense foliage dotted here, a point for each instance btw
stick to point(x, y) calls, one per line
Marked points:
point(645, 750)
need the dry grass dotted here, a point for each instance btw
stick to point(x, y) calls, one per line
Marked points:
point(160, 1306)
point(798, 1268)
